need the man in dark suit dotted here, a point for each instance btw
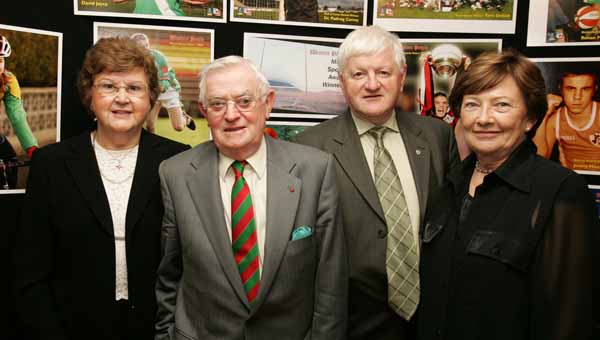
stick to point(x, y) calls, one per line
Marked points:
point(387, 163)
point(252, 247)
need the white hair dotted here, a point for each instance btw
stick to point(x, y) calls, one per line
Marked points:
point(227, 62)
point(369, 40)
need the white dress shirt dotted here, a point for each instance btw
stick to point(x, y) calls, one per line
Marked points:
point(255, 173)
point(393, 142)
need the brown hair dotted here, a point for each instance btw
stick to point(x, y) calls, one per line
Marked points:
point(116, 54)
point(490, 69)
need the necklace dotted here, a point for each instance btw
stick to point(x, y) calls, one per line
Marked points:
point(481, 169)
point(114, 166)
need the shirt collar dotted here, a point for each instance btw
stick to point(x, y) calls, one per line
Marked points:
point(516, 171)
point(258, 161)
point(363, 126)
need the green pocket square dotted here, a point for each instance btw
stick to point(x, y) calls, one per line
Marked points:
point(301, 232)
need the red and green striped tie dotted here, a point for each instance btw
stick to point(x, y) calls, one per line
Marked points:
point(245, 242)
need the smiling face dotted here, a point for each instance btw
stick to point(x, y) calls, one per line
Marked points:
point(495, 121)
point(578, 92)
point(236, 132)
point(120, 113)
point(372, 85)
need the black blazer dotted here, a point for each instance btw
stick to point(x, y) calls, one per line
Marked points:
point(64, 251)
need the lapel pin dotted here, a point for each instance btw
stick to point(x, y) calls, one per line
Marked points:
point(292, 189)
point(418, 152)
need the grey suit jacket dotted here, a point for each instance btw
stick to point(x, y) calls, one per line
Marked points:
point(431, 150)
point(303, 292)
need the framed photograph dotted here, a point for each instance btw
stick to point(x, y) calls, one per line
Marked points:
point(189, 10)
point(570, 131)
point(321, 13)
point(30, 88)
point(302, 71)
point(285, 130)
point(460, 16)
point(563, 23)
point(595, 189)
point(179, 53)
point(432, 68)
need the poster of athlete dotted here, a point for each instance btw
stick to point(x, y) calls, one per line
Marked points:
point(179, 54)
point(30, 76)
point(323, 13)
point(563, 22)
point(432, 68)
point(306, 85)
point(190, 10)
point(570, 131)
point(464, 16)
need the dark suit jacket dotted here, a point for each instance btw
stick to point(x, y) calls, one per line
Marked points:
point(303, 287)
point(65, 254)
point(431, 150)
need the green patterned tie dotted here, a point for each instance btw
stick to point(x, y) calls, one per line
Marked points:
point(245, 241)
point(402, 261)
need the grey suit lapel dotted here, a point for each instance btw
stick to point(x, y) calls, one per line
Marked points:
point(348, 151)
point(203, 184)
point(419, 156)
point(283, 194)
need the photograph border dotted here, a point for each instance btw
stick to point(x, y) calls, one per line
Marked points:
point(232, 18)
point(574, 60)
point(59, 35)
point(446, 25)
point(278, 114)
point(536, 27)
point(76, 11)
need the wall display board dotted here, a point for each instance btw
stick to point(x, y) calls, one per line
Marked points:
point(184, 52)
point(464, 16)
point(285, 130)
point(301, 70)
point(570, 131)
point(30, 91)
point(432, 67)
point(563, 22)
point(322, 13)
point(595, 189)
point(190, 10)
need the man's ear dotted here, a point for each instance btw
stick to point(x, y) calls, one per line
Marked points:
point(402, 78)
point(269, 102)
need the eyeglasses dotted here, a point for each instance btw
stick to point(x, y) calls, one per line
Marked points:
point(242, 104)
point(110, 89)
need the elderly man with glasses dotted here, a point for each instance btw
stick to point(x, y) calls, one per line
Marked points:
point(252, 246)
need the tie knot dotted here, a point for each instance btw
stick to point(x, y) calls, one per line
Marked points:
point(377, 132)
point(238, 168)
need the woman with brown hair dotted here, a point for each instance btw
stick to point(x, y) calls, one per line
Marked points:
point(508, 245)
point(86, 259)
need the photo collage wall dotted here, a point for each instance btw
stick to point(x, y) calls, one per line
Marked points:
point(303, 69)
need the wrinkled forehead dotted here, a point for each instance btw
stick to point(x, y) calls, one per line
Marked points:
point(232, 81)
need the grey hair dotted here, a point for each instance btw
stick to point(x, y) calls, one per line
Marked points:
point(230, 61)
point(369, 40)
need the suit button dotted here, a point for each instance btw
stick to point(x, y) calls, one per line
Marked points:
point(381, 233)
point(132, 307)
point(438, 332)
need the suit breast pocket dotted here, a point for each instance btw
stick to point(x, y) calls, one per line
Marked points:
point(300, 258)
point(513, 250)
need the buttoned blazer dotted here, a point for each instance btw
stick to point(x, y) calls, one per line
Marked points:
point(303, 287)
point(65, 248)
point(431, 151)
